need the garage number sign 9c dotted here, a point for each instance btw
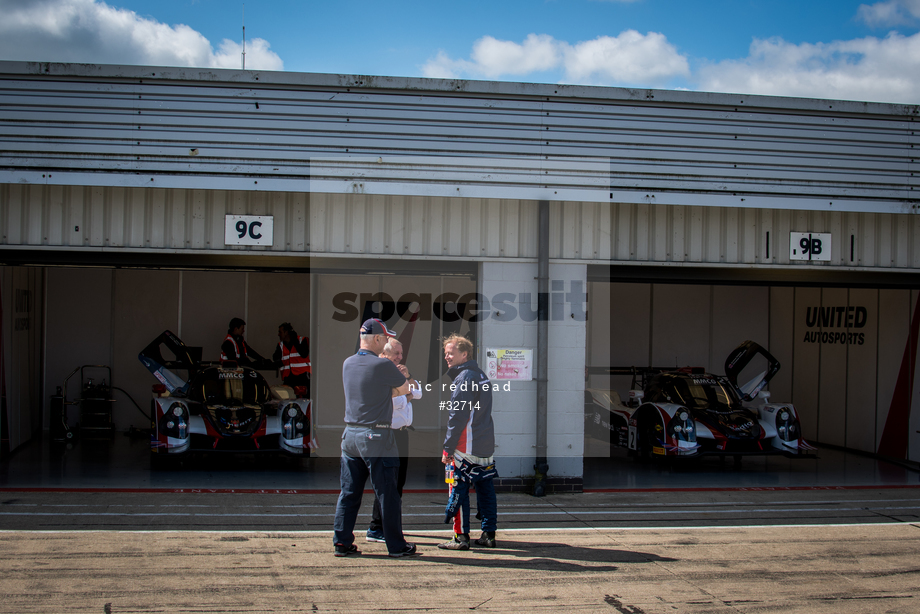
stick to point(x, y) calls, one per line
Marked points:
point(809, 246)
point(248, 230)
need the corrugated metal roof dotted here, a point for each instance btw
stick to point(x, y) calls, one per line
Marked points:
point(67, 124)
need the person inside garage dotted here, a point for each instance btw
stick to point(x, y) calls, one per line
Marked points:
point(293, 358)
point(235, 349)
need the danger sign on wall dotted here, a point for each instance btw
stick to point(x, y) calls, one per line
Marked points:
point(509, 364)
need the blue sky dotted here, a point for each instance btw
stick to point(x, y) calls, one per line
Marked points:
point(824, 49)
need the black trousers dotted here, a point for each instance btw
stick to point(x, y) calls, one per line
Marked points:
point(402, 444)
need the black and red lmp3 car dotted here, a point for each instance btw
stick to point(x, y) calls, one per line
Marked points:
point(220, 407)
point(686, 412)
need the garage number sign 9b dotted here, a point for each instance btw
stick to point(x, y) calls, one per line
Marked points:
point(809, 246)
point(248, 230)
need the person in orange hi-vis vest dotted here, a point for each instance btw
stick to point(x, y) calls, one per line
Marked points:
point(234, 348)
point(292, 357)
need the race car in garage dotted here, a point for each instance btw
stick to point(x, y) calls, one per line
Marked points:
point(214, 407)
point(687, 412)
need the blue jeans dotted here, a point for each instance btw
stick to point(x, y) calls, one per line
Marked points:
point(486, 503)
point(369, 453)
point(402, 444)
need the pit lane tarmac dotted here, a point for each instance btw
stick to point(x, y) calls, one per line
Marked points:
point(109, 485)
point(123, 463)
point(869, 568)
point(273, 510)
point(77, 535)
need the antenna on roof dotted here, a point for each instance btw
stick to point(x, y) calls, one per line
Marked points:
point(244, 37)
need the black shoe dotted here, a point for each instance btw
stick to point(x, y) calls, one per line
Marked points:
point(461, 541)
point(343, 550)
point(409, 550)
point(487, 540)
point(375, 536)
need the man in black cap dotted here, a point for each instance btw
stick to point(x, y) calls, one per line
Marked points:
point(368, 445)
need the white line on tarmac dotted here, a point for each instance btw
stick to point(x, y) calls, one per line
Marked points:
point(538, 513)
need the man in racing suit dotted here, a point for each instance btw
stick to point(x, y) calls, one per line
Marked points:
point(234, 347)
point(292, 357)
point(469, 445)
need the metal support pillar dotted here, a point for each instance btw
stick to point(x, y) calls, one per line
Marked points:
point(541, 467)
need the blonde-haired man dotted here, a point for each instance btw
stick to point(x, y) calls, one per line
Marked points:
point(469, 445)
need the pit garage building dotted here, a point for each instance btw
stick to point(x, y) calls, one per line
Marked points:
point(661, 227)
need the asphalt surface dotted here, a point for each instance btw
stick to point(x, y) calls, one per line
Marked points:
point(809, 550)
point(868, 568)
point(837, 534)
point(201, 510)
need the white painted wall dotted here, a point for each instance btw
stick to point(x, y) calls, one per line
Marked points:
point(514, 412)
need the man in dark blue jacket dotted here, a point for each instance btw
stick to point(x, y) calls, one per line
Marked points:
point(469, 445)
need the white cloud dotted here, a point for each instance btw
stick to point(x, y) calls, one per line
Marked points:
point(890, 13)
point(91, 31)
point(443, 67)
point(870, 69)
point(258, 55)
point(630, 58)
point(494, 58)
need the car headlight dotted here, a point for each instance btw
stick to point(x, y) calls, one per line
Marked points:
point(174, 422)
point(787, 425)
point(293, 422)
point(682, 426)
